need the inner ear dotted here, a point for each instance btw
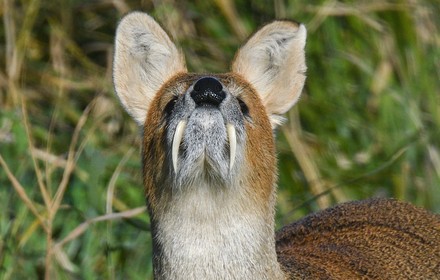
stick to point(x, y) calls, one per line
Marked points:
point(273, 62)
point(145, 58)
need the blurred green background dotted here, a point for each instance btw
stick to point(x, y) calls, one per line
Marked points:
point(71, 198)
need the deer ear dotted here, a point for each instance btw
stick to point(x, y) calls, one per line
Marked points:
point(273, 62)
point(145, 58)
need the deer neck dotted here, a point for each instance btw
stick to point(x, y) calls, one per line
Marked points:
point(207, 233)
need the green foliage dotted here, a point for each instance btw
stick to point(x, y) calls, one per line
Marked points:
point(368, 123)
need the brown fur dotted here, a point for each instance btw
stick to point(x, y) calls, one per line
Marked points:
point(260, 148)
point(372, 239)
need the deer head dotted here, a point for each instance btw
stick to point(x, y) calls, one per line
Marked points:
point(208, 147)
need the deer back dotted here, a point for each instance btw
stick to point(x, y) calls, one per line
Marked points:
point(371, 239)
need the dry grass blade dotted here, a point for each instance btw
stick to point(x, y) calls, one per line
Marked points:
point(308, 166)
point(73, 48)
point(79, 230)
point(112, 183)
point(15, 46)
point(24, 35)
point(10, 46)
point(340, 9)
point(63, 260)
point(305, 161)
point(336, 9)
point(434, 156)
point(230, 12)
point(121, 6)
point(391, 161)
point(22, 193)
point(70, 166)
point(41, 185)
point(45, 156)
point(9, 29)
point(27, 234)
point(66, 83)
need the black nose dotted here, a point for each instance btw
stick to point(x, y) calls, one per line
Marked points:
point(208, 90)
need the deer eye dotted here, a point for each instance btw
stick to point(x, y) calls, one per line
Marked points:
point(170, 106)
point(243, 107)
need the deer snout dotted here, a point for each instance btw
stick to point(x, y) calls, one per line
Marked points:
point(205, 130)
point(208, 91)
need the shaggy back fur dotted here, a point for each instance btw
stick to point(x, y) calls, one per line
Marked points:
point(372, 239)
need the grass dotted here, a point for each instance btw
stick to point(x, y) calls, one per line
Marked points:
point(71, 199)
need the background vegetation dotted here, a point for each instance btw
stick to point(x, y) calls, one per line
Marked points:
point(71, 200)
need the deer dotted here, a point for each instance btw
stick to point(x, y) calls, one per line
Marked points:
point(210, 170)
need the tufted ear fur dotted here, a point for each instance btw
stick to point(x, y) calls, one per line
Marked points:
point(145, 58)
point(273, 62)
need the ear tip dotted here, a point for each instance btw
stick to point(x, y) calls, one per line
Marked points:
point(302, 30)
point(289, 23)
point(291, 26)
point(135, 15)
point(302, 34)
point(134, 18)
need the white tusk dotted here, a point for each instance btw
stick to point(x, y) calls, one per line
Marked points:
point(232, 144)
point(177, 139)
